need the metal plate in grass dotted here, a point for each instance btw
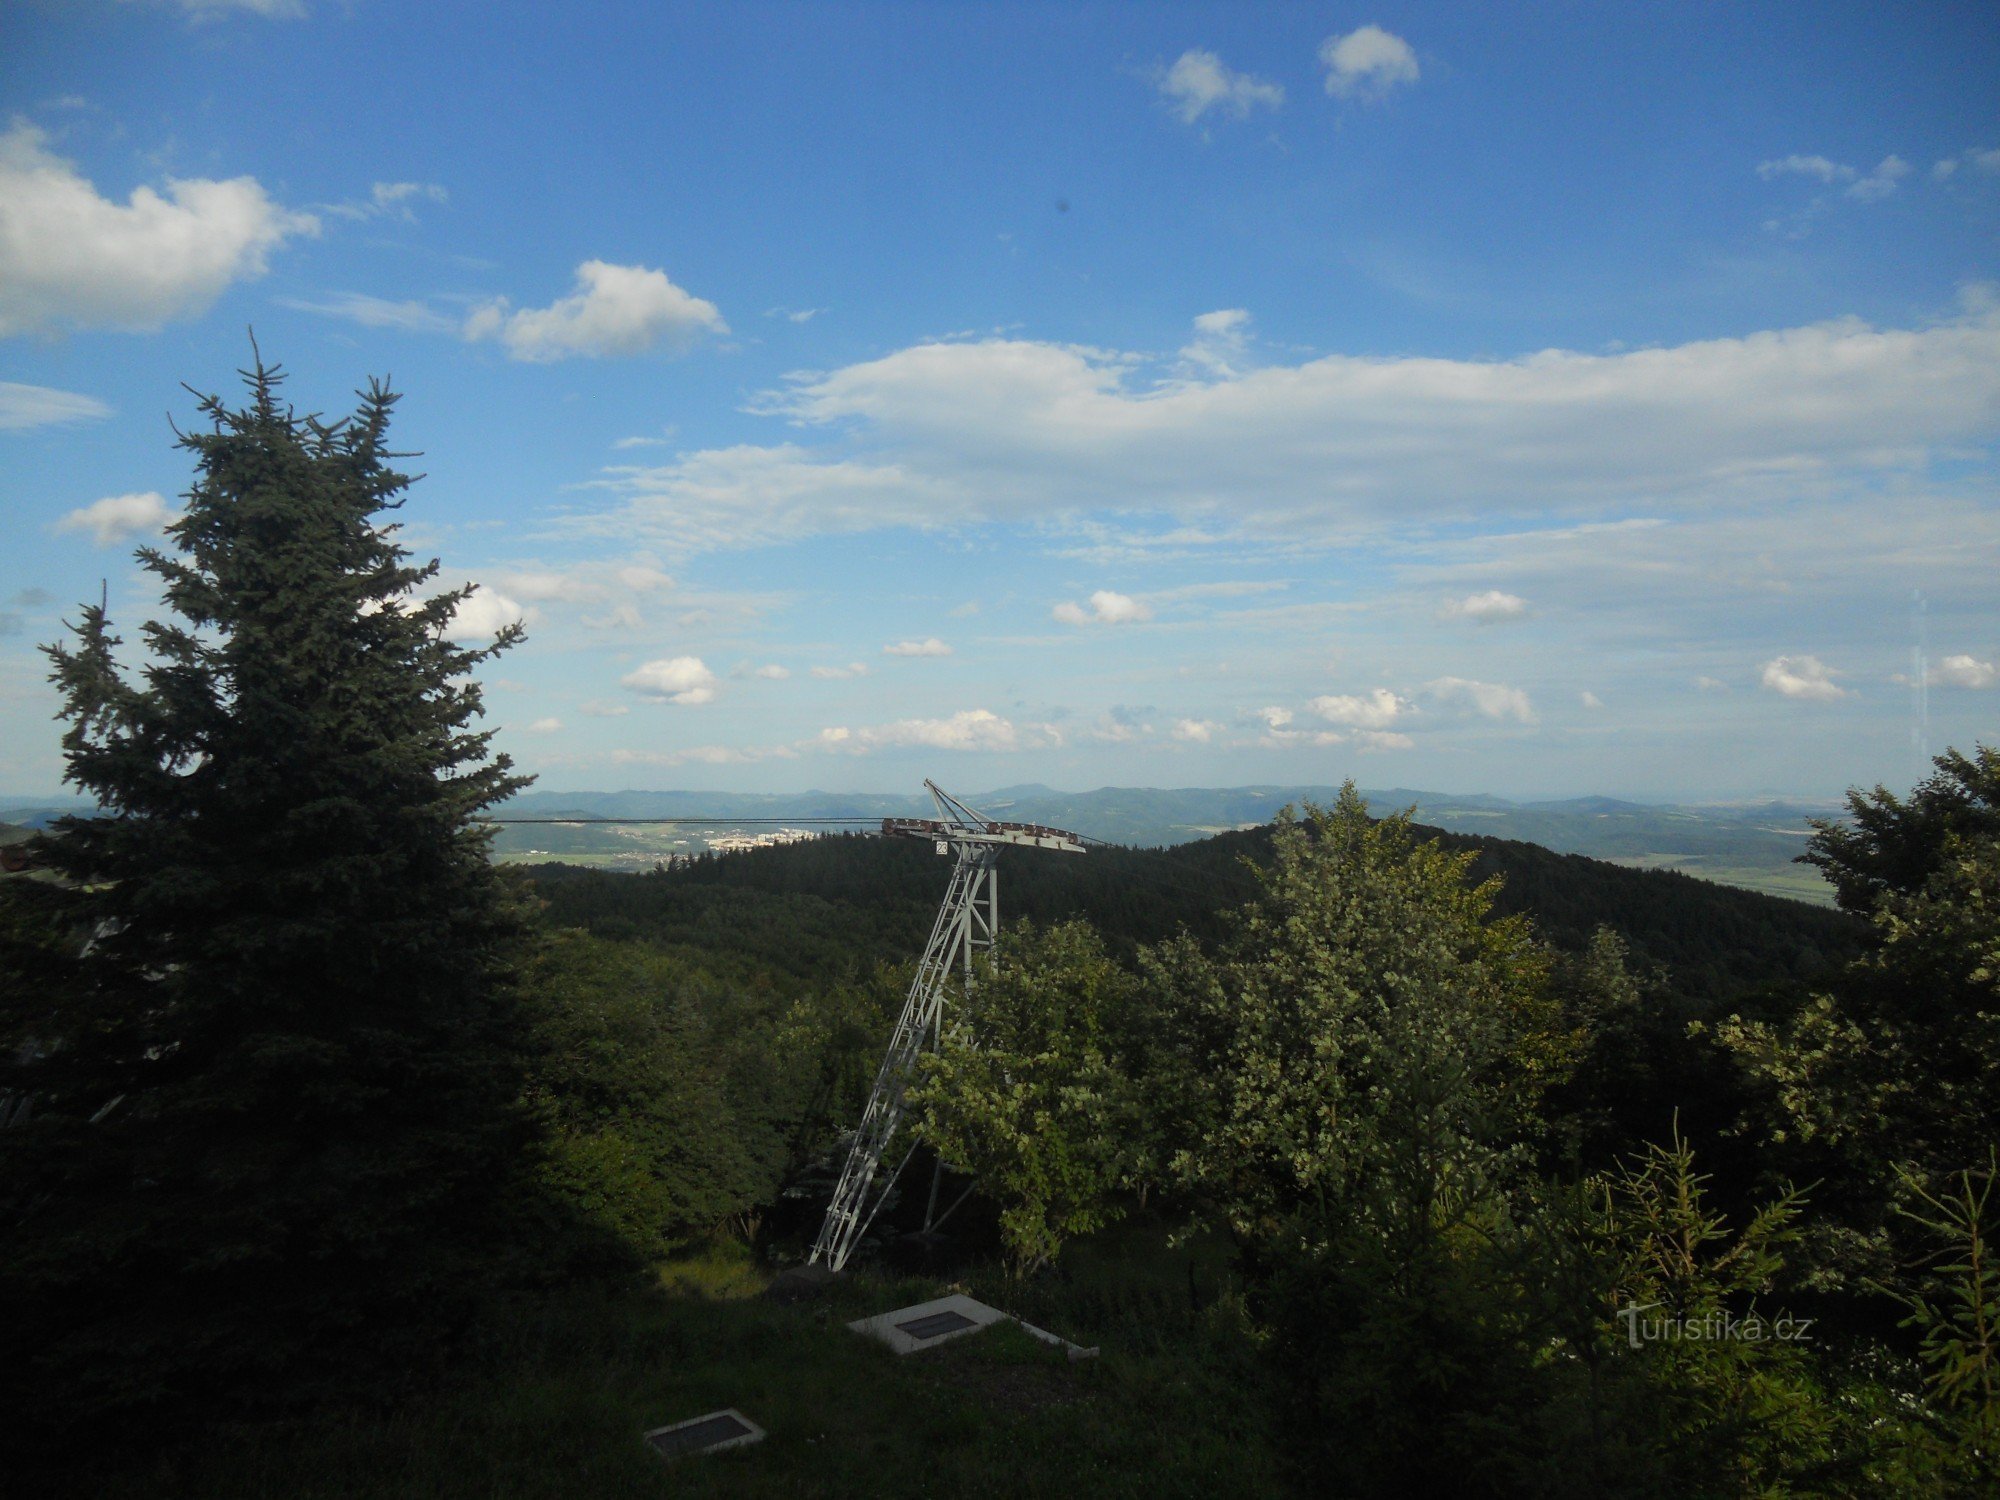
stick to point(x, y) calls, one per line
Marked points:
point(937, 1325)
point(713, 1433)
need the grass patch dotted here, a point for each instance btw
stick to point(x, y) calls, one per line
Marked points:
point(552, 1396)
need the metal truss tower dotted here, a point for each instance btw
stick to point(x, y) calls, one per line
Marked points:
point(968, 921)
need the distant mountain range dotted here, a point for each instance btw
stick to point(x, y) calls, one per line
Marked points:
point(1749, 845)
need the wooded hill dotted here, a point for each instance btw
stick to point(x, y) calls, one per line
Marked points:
point(801, 907)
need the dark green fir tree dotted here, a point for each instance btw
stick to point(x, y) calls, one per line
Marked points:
point(262, 1036)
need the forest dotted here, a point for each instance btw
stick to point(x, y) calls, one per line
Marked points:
point(1377, 1160)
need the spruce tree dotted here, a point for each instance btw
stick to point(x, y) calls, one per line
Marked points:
point(273, 1061)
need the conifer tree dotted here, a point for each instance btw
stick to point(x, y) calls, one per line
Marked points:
point(274, 1138)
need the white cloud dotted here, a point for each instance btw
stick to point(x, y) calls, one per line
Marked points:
point(772, 672)
point(1221, 344)
point(1381, 739)
point(1804, 677)
point(749, 496)
point(1196, 731)
point(1819, 168)
point(23, 406)
point(484, 614)
point(1489, 608)
point(586, 583)
point(1376, 710)
point(615, 310)
point(71, 258)
point(678, 679)
point(1711, 685)
point(1106, 608)
point(545, 726)
point(117, 517)
point(215, 10)
point(598, 709)
point(964, 611)
point(1493, 700)
point(1367, 63)
point(374, 312)
point(1275, 718)
point(948, 434)
point(642, 578)
point(794, 314)
point(1978, 160)
point(391, 199)
point(840, 674)
point(1590, 700)
point(1881, 182)
point(969, 729)
point(930, 647)
point(1963, 672)
point(1200, 81)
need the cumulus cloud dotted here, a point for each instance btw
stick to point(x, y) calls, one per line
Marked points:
point(1200, 81)
point(1492, 700)
point(71, 258)
point(772, 672)
point(1804, 677)
point(1489, 608)
point(483, 614)
point(944, 434)
point(1196, 731)
point(1590, 700)
point(1881, 182)
point(23, 406)
point(840, 674)
point(1376, 710)
point(969, 729)
point(677, 679)
point(1984, 160)
point(598, 709)
point(117, 517)
point(1367, 63)
point(545, 726)
point(1818, 168)
point(1120, 725)
point(930, 647)
point(1963, 672)
point(1105, 608)
point(614, 310)
point(1382, 739)
point(1221, 343)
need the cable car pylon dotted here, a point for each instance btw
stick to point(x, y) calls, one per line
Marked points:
point(967, 921)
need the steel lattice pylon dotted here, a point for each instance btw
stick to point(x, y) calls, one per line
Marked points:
point(968, 920)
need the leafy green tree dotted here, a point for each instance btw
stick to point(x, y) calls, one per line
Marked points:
point(1367, 998)
point(1355, 1078)
point(1025, 1093)
point(644, 1141)
point(1890, 1078)
point(275, 1139)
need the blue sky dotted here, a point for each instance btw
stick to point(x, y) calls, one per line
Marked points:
point(1538, 399)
